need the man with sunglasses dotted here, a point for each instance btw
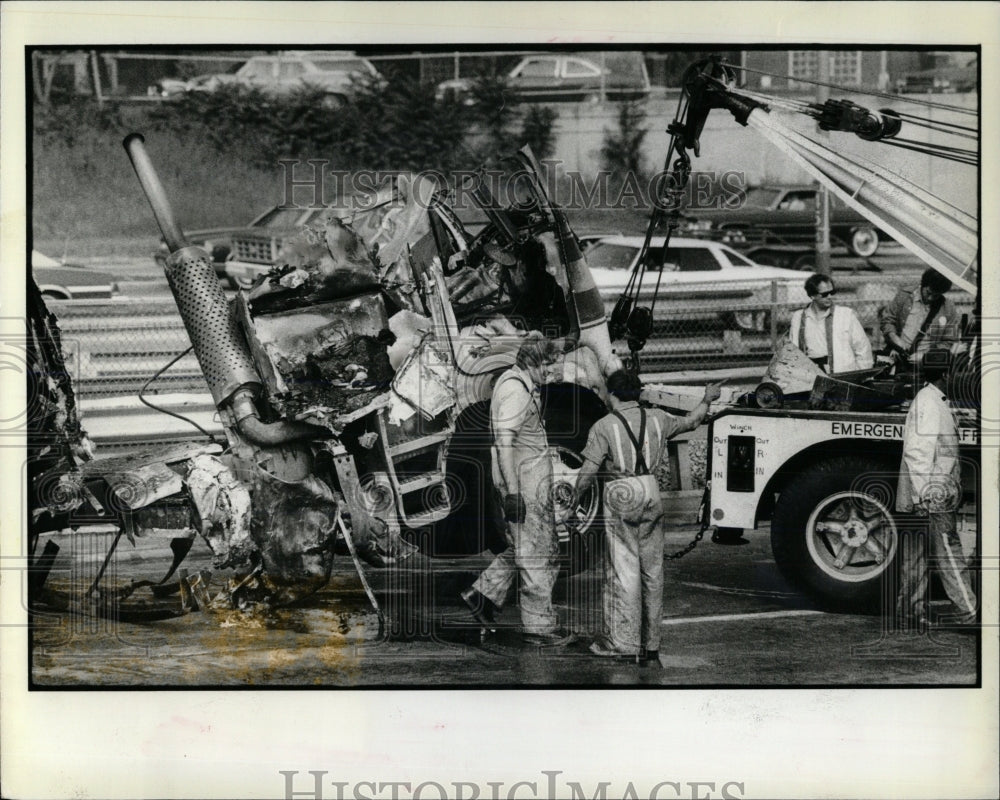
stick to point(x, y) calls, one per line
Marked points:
point(830, 335)
point(921, 319)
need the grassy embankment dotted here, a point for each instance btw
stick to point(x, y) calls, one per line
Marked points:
point(86, 200)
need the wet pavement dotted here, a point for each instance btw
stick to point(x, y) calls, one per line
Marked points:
point(729, 619)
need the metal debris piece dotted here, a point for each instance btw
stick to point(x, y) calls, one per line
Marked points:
point(222, 510)
point(426, 379)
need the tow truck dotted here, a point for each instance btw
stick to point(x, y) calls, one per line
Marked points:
point(818, 455)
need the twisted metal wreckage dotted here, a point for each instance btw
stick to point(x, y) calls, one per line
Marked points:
point(353, 380)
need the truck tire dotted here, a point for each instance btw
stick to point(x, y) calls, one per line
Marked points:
point(833, 532)
point(475, 522)
point(864, 242)
point(569, 414)
point(580, 546)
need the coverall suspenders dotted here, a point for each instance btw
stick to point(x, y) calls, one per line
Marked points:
point(637, 442)
point(829, 338)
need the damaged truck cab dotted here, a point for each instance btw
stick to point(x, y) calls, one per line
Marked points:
point(354, 379)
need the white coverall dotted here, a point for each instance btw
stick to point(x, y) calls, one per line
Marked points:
point(633, 507)
point(930, 481)
point(532, 545)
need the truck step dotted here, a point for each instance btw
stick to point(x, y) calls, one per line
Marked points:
point(416, 482)
point(428, 517)
point(414, 447)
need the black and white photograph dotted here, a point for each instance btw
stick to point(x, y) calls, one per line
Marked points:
point(397, 379)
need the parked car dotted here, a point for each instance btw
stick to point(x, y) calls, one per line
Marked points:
point(59, 281)
point(784, 215)
point(558, 76)
point(334, 71)
point(708, 279)
point(241, 253)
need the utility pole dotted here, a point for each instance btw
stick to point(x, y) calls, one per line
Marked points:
point(823, 195)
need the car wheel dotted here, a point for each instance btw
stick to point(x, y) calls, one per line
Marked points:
point(834, 534)
point(750, 321)
point(805, 263)
point(864, 242)
point(333, 102)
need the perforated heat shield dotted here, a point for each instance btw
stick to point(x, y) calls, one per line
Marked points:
point(218, 343)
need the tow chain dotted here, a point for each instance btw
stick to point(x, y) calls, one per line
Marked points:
point(703, 516)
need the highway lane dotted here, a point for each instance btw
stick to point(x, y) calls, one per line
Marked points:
point(728, 619)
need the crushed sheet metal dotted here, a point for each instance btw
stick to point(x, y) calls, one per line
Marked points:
point(222, 505)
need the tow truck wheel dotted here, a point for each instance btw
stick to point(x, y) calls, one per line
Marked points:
point(833, 532)
point(864, 242)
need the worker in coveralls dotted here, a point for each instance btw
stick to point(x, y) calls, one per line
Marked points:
point(522, 472)
point(930, 484)
point(628, 444)
point(830, 335)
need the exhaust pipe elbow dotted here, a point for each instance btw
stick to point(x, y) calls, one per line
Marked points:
point(270, 434)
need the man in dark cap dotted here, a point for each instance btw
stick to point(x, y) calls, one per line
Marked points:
point(628, 444)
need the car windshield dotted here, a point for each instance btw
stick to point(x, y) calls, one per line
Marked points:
point(342, 65)
point(605, 255)
point(281, 218)
point(682, 259)
point(736, 259)
point(761, 197)
point(537, 68)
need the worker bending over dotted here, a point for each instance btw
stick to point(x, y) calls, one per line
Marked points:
point(522, 472)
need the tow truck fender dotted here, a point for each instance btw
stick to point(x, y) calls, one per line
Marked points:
point(751, 453)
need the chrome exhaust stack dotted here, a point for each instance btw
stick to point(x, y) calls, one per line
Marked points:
point(219, 345)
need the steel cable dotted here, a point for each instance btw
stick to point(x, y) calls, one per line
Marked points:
point(856, 90)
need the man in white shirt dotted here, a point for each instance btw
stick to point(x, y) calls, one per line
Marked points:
point(831, 336)
point(930, 484)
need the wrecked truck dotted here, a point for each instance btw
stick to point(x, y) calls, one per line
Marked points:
point(353, 382)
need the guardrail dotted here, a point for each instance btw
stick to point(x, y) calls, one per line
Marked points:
point(113, 348)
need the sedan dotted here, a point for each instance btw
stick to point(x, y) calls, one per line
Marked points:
point(784, 215)
point(564, 76)
point(58, 281)
point(241, 253)
point(700, 279)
